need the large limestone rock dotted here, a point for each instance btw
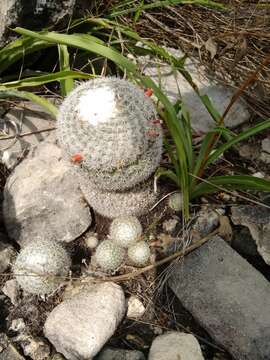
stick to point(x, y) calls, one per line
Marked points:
point(174, 85)
point(42, 199)
point(32, 15)
point(257, 220)
point(81, 325)
point(228, 297)
point(175, 345)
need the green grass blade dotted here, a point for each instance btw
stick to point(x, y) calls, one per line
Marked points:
point(19, 48)
point(242, 136)
point(45, 104)
point(66, 85)
point(79, 41)
point(234, 182)
point(44, 79)
point(167, 173)
point(160, 4)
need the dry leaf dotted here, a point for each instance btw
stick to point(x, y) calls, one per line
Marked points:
point(211, 46)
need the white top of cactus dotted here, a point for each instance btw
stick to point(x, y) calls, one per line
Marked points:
point(97, 105)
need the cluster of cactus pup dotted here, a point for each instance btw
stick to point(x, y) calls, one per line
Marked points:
point(124, 241)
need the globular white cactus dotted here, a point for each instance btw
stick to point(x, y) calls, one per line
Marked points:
point(175, 201)
point(110, 128)
point(139, 253)
point(109, 256)
point(125, 230)
point(47, 262)
point(135, 201)
point(91, 241)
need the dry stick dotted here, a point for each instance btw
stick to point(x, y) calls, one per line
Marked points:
point(27, 133)
point(250, 80)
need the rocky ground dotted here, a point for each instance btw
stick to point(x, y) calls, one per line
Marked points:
point(213, 304)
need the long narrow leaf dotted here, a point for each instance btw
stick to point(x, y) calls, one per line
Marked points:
point(244, 135)
point(79, 41)
point(234, 182)
point(158, 4)
point(18, 49)
point(66, 85)
point(44, 79)
point(45, 104)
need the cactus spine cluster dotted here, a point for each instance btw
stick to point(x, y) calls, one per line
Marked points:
point(139, 253)
point(109, 127)
point(47, 262)
point(125, 230)
point(109, 255)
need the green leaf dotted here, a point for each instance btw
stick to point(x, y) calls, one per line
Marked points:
point(167, 173)
point(79, 41)
point(44, 79)
point(66, 85)
point(158, 4)
point(18, 49)
point(234, 182)
point(242, 136)
point(45, 104)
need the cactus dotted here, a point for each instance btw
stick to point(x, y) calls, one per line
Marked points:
point(109, 255)
point(123, 178)
point(175, 201)
point(45, 258)
point(125, 230)
point(91, 241)
point(139, 253)
point(112, 125)
point(135, 201)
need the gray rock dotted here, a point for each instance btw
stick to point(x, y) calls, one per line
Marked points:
point(243, 242)
point(119, 354)
point(7, 253)
point(207, 221)
point(257, 220)
point(18, 325)
point(135, 308)
point(174, 346)
point(34, 347)
point(11, 290)
point(266, 145)
point(228, 297)
point(42, 199)
point(26, 118)
point(37, 15)
point(173, 84)
point(11, 353)
point(4, 342)
point(80, 326)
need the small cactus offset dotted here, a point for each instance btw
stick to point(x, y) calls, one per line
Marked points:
point(109, 255)
point(40, 267)
point(108, 127)
point(139, 253)
point(125, 230)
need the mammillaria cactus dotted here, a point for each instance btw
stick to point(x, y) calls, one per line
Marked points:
point(125, 230)
point(135, 201)
point(47, 262)
point(175, 201)
point(139, 253)
point(109, 255)
point(110, 128)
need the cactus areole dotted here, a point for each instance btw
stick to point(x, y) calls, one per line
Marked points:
point(109, 125)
